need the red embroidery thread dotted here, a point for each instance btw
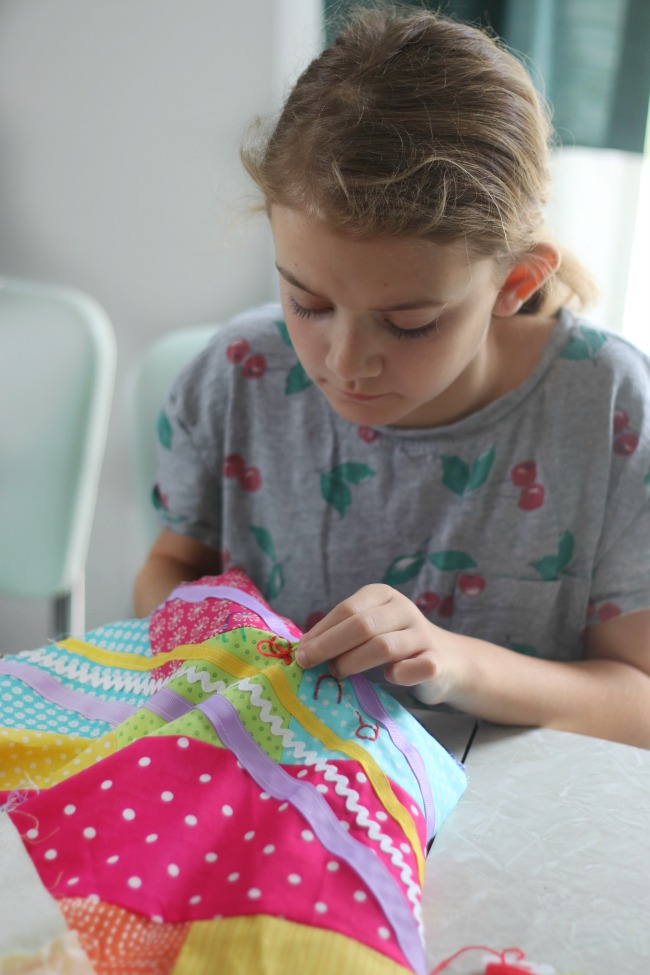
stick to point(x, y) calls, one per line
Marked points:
point(374, 728)
point(338, 685)
point(281, 651)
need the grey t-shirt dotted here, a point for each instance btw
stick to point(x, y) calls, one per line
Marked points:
point(522, 523)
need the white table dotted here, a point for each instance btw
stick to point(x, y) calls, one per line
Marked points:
point(548, 851)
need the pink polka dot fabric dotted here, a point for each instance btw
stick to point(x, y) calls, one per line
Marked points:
point(243, 802)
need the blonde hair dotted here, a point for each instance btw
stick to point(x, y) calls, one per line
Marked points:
point(415, 125)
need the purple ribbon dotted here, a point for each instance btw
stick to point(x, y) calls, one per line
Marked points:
point(196, 594)
point(371, 704)
point(112, 712)
point(310, 803)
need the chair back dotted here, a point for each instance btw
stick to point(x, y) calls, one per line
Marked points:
point(150, 383)
point(57, 356)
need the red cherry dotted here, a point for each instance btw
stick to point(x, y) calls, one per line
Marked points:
point(531, 497)
point(626, 444)
point(621, 420)
point(237, 351)
point(524, 474)
point(471, 583)
point(234, 465)
point(368, 434)
point(446, 607)
point(251, 479)
point(254, 367)
point(608, 611)
point(427, 602)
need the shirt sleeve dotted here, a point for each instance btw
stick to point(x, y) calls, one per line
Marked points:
point(621, 572)
point(187, 494)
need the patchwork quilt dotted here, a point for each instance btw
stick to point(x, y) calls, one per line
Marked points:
point(179, 797)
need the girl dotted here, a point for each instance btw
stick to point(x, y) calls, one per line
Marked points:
point(423, 457)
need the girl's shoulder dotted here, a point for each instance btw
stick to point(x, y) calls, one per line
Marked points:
point(597, 359)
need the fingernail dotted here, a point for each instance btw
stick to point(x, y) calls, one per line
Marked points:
point(301, 658)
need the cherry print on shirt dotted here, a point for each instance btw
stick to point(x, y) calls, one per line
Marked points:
point(368, 434)
point(254, 367)
point(607, 611)
point(626, 440)
point(532, 497)
point(471, 583)
point(250, 478)
point(427, 602)
point(334, 483)
point(524, 475)
point(237, 351)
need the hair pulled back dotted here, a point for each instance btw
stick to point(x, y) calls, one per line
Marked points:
point(416, 125)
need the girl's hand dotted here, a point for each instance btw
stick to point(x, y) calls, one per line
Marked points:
point(380, 626)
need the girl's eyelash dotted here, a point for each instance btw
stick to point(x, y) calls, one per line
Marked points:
point(399, 333)
point(303, 312)
point(413, 333)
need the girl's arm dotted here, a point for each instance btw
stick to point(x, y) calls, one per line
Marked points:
point(606, 695)
point(173, 559)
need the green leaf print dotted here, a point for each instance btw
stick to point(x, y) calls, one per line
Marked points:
point(284, 332)
point(459, 478)
point(165, 430)
point(583, 347)
point(336, 492)
point(263, 538)
point(352, 472)
point(403, 568)
point(481, 470)
point(455, 474)
point(565, 551)
point(334, 488)
point(550, 566)
point(451, 560)
point(297, 380)
point(275, 584)
point(547, 567)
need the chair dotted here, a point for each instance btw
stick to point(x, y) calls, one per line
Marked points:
point(150, 382)
point(57, 356)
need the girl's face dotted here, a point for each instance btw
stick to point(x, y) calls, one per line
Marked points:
point(394, 331)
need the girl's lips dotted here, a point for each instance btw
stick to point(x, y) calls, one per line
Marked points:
point(359, 397)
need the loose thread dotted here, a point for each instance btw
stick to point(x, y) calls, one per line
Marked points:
point(502, 965)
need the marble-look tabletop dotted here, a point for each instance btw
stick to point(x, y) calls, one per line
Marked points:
point(548, 851)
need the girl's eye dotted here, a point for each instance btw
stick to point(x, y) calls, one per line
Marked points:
point(412, 333)
point(303, 312)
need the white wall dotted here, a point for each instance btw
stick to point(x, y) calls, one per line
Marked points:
point(120, 122)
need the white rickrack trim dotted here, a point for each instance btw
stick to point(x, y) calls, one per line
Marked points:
point(342, 788)
point(202, 677)
point(131, 682)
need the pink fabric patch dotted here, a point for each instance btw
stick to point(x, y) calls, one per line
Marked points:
point(176, 622)
point(174, 829)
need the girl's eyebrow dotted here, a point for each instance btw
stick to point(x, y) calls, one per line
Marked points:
point(404, 306)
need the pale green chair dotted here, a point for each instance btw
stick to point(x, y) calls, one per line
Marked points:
point(57, 371)
point(150, 382)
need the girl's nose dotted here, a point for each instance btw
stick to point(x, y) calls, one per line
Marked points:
point(351, 355)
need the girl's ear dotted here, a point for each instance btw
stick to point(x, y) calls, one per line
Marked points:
point(525, 278)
